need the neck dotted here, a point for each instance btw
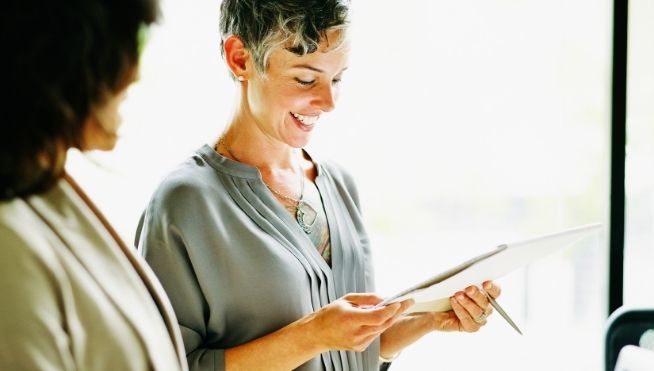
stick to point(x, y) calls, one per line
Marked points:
point(248, 144)
point(268, 173)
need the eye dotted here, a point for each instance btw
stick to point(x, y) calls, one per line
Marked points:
point(305, 82)
point(336, 81)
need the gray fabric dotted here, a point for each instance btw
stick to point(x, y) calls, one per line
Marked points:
point(235, 264)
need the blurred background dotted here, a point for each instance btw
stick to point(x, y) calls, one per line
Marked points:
point(466, 124)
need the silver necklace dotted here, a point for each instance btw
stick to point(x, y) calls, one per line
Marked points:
point(301, 209)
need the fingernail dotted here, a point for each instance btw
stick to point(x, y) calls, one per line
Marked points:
point(460, 296)
point(470, 290)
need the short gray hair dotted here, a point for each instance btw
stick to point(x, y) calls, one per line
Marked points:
point(263, 25)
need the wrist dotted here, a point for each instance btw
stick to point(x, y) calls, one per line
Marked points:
point(310, 333)
point(438, 320)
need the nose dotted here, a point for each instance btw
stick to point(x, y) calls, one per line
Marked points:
point(325, 98)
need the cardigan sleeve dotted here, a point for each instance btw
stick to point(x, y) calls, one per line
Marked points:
point(170, 228)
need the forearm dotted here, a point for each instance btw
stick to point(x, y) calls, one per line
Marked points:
point(284, 349)
point(405, 332)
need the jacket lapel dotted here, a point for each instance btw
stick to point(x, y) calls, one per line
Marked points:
point(160, 299)
point(147, 276)
point(83, 233)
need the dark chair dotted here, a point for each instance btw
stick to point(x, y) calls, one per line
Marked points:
point(625, 326)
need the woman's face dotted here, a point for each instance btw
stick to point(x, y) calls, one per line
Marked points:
point(100, 130)
point(287, 102)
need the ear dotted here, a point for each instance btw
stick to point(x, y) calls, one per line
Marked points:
point(236, 57)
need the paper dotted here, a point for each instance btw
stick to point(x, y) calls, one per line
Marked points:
point(433, 294)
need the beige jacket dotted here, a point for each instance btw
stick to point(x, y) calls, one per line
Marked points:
point(73, 297)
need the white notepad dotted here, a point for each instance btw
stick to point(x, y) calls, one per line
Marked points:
point(433, 294)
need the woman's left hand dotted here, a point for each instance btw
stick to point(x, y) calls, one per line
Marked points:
point(470, 308)
point(467, 306)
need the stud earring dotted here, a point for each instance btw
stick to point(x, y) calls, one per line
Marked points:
point(240, 78)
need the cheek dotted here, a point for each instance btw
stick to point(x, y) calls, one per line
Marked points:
point(287, 98)
point(109, 118)
point(294, 103)
point(109, 115)
point(295, 99)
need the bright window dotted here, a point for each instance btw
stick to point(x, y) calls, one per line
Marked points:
point(639, 183)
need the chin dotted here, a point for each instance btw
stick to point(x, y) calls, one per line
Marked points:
point(299, 141)
point(103, 143)
point(108, 144)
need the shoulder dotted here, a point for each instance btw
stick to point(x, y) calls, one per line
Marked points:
point(190, 180)
point(190, 195)
point(19, 229)
point(34, 287)
point(27, 259)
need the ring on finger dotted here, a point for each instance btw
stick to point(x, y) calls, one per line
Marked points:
point(482, 317)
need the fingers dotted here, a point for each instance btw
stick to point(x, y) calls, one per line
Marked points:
point(405, 305)
point(472, 305)
point(470, 314)
point(466, 322)
point(377, 316)
point(349, 326)
point(353, 322)
point(363, 299)
point(492, 289)
point(374, 331)
point(478, 297)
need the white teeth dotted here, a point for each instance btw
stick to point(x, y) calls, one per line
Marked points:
point(306, 120)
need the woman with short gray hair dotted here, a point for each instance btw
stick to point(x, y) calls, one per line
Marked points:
point(261, 245)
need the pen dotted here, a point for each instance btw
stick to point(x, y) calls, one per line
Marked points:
point(502, 312)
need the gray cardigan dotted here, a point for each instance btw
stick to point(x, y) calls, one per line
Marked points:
point(237, 266)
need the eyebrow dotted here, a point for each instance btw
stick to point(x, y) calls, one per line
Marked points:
point(312, 68)
point(308, 67)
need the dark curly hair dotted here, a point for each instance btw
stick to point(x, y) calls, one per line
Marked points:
point(60, 59)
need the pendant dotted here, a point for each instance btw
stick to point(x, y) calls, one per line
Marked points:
point(306, 216)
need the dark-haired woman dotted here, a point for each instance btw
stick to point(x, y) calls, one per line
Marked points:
point(72, 295)
point(261, 245)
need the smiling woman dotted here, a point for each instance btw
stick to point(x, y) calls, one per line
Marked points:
point(465, 123)
point(286, 101)
point(256, 219)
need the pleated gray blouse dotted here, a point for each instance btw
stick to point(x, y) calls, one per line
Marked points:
point(237, 266)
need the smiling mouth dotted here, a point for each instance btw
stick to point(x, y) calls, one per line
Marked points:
point(306, 120)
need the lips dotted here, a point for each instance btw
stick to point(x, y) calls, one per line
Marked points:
point(307, 120)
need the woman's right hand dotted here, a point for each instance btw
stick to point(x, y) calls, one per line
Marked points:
point(349, 323)
point(352, 322)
